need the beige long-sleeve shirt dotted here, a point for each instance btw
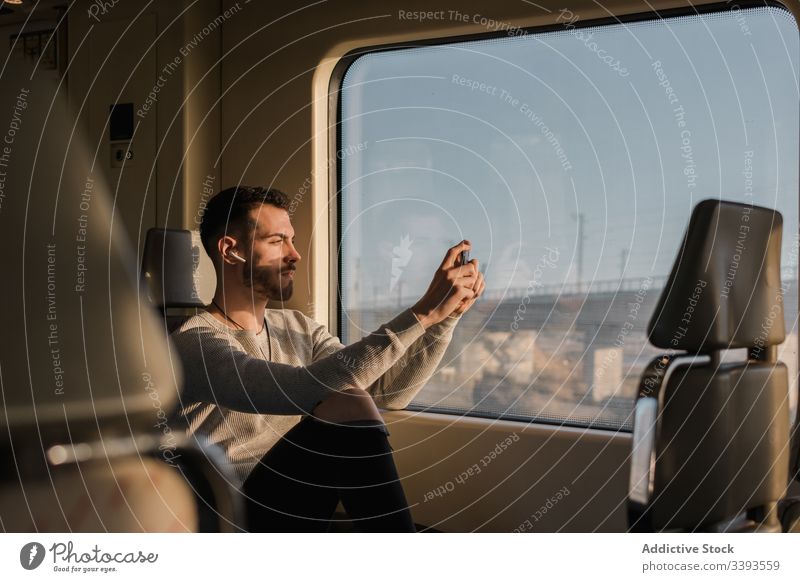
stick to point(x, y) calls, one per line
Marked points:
point(244, 390)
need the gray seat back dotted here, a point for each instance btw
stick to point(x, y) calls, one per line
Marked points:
point(169, 267)
point(170, 274)
point(81, 358)
point(86, 376)
point(711, 439)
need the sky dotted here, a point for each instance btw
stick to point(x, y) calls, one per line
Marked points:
point(514, 142)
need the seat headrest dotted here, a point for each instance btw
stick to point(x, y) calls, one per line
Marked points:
point(169, 267)
point(724, 290)
point(80, 354)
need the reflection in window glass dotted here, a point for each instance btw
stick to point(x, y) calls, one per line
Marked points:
point(572, 160)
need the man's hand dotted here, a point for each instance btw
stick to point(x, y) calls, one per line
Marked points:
point(478, 288)
point(453, 290)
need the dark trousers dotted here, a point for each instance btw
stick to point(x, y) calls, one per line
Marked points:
point(300, 481)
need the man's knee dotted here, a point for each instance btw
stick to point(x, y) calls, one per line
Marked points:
point(353, 404)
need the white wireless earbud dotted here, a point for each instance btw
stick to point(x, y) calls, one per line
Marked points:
point(237, 257)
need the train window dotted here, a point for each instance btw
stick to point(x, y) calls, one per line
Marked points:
point(571, 157)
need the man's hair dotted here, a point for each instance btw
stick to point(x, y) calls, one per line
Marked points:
point(227, 212)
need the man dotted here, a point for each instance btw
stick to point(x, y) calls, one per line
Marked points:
point(294, 409)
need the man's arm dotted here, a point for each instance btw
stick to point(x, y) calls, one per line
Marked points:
point(219, 371)
point(398, 386)
point(452, 292)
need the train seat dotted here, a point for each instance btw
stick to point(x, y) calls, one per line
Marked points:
point(170, 272)
point(711, 436)
point(87, 382)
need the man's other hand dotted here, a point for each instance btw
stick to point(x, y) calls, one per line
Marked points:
point(453, 290)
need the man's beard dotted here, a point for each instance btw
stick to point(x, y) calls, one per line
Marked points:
point(268, 281)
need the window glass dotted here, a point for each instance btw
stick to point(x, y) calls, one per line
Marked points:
point(572, 160)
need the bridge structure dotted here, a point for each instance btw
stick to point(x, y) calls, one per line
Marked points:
point(597, 330)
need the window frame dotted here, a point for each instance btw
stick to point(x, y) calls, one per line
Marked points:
point(334, 166)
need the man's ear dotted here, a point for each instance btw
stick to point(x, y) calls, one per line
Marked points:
point(226, 245)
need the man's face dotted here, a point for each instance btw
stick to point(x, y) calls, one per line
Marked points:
point(270, 253)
